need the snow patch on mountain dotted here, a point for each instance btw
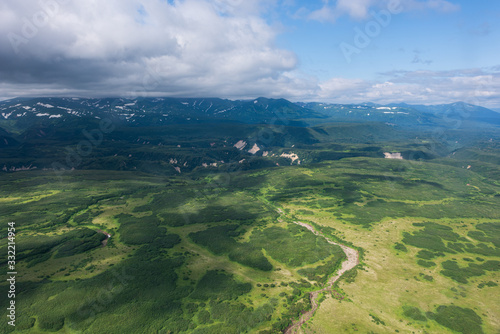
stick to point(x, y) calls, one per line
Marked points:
point(45, 105)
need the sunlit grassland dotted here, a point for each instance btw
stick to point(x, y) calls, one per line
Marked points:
point(385, 189)
point(391, 279)
point(180, 237)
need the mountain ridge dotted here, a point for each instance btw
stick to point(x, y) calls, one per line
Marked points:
point(19, 114)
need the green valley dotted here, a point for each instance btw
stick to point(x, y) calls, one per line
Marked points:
point(208, 228)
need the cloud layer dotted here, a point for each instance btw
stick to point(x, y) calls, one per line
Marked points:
point(154, 47)
point(222, 48)
point(360, 9)
point(475, 86)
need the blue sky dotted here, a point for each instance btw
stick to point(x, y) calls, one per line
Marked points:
point(428, 39)
point(425, 51)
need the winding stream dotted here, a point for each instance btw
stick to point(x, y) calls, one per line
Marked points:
point(351, 262)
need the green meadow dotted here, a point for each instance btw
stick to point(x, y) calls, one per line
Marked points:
point(210, 252)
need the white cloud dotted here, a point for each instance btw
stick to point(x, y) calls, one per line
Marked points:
point(475, 86)
point(187, 47)
point(360, 9)
point(437, 5)
point(193, 48)
point(357, 9)
point(341, 89)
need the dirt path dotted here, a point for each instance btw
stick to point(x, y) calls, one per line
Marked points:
point(351, 262)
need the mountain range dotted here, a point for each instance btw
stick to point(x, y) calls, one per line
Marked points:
point(186, 134)
point(19, 114)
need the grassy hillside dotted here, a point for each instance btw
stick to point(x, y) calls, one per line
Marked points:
point(204, 236)
point(212, 254)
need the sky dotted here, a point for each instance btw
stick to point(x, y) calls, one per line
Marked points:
point(337, 51)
